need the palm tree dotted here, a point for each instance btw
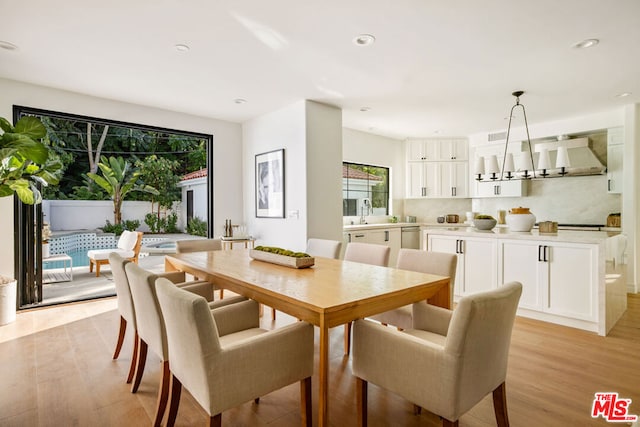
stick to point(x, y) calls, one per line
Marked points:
point(119, 179)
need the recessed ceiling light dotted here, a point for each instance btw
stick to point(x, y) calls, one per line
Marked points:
point(240, 101)
point(364, 40)
point(586, 43)
point(7, 45)
point(623, 95)
point(365, 109)
point(182, 48)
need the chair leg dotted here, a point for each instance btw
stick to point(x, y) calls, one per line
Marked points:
point(90, 265)
point(221, 293)
point(98, 269)
point(447, 423)
point(417, 409)
point(305, 402)
point(141, 360)
point(134, 358)
point(273, 314)
point(163, 393)
point(500, 405)
point(347, 338)
point(175, 389)
point(121, 332)
point(361, 401)
point(215, 421)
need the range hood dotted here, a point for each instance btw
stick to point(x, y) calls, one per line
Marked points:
point(582, 159)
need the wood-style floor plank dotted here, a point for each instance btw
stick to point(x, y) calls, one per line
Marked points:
point(63, 374)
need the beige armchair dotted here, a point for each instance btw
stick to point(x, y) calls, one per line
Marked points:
point(324, 248)
point(440, 263)
point(448, 362)
point(365, 253)
point(200, 245)
point(150, 324)
point(224, 359)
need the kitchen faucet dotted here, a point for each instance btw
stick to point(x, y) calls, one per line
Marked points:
point(366, 204)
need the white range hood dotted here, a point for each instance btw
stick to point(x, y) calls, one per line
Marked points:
point(581, 158)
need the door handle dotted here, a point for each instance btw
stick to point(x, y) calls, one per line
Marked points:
point(608, 185)
point(539, 253)
point(546, 254)
point(459, 247)
point(424, 191)
point(358, 235)
point(386, 236)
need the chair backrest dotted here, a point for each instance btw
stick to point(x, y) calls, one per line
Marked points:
point(149, 319)
point(367, 253)
point(123, 292)
point(198, 245)
point(324, 248)
point(479, 337)
point(440, 263)
point(192, 337)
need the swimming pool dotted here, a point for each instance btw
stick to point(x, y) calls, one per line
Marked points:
point(79, 258)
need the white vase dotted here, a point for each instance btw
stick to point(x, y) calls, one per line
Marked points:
point(520, 221)
point(8, 302)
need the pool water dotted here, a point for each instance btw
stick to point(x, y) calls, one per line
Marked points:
point(79, 259)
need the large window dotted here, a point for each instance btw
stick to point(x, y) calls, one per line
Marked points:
point(365, 190)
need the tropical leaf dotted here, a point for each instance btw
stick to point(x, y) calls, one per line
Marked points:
point(23, 191)
point(31, 127)
point(5, 125)
point(101, 182)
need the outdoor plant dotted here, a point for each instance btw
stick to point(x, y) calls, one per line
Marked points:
point(25, 161)
point(116, 229)
point(119, 178)
point(197, 227)
point(131, 224)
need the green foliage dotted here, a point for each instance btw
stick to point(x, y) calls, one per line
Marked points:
point(119, 179)
point(25, 162)
point(159, 173)
point(280, 251)
point(131, 224)
point(153, 222)
point(197, 227)
point(172, 223)
point(484, 217)
point(162, 225)
point(116, 229)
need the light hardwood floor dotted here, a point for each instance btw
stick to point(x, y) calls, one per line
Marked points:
point(56, 370)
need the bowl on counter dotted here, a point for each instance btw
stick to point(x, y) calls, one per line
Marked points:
point(484, 223)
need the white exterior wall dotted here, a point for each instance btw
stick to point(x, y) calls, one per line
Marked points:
point(199, 187)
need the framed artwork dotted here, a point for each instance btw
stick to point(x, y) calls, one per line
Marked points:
point(270, 184)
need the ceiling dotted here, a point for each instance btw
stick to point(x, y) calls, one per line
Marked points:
point(436, 68)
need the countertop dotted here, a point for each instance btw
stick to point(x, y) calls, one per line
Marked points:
point(504, 233)
point(356, 227)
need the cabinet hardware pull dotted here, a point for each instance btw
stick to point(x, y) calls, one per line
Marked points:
point(424, 191)
point(359, 235)
point(546, 252)
point(608, 185)
point(386, 236)
point(539, 254)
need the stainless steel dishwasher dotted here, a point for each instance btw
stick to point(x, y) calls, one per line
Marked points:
point(410, 237)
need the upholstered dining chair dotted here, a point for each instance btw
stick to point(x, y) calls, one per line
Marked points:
point(324, 248)
point(448, 361)
point(440, 263)
point(366, 253)
point(151, 326)
point(224, 359)
point(200, 245)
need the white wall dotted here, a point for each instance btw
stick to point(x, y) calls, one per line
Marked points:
point(64, 215)
point(199, 187)
point(367, 148)
point(227, 141)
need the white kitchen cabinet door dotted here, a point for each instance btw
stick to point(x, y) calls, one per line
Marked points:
point(388, 237)
point(570, 274)
point(615, 155)
point(453, 149)
point(479, 260)
point(514, 188)
point(454, 179)
point(518, 261)
point(423, 179)
point(449, 245)
point(420, 150)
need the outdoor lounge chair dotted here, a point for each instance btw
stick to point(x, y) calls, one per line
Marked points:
point(129, 245)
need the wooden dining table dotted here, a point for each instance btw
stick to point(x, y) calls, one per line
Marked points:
point(329, 294)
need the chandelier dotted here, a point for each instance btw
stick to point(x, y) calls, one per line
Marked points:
point(525, 168)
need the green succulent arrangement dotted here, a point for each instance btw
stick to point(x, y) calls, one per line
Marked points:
point(280, 251)
point(25, 162)
point(484, 217)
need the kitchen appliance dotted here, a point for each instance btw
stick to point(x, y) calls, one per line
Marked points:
point(410, 237)
point(520, 219)
point(409, 218)
point(452, 218)
point(614, 220)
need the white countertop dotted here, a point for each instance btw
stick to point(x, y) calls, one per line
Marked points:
point(504, 233)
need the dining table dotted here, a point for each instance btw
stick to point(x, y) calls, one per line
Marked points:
point(328, 294)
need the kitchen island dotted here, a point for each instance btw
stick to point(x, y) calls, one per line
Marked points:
point(573, 278)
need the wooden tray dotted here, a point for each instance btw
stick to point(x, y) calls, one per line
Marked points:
point(287, 261)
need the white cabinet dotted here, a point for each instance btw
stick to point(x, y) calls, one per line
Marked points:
point(515, 188)
point(389, 237)
point(477, 259)
point(437, 149)
point(423, 179)
point(420, 149)
point(454, 179)
point(615, 155)
point(557, 278)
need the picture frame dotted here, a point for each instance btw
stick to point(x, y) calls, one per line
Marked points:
point(270, 184)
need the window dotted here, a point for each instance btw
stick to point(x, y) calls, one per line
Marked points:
point(365, 190)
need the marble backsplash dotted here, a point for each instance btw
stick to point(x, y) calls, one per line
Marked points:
point(427, 210)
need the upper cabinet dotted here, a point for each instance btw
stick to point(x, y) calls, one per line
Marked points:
point(435, 150)
point(496, 188)
point(437, 168)
point(615, 154)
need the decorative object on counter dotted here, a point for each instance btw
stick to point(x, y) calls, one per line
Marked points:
point(520, 219)
point(228, 228)
point(614, 220)
point(440, 219)
point(548, 227)
point(470, 217)
point(502, 215)
point(393, 219)
point(281, 256)
point(484, 222)
point(452, 218)
point(410, 218)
